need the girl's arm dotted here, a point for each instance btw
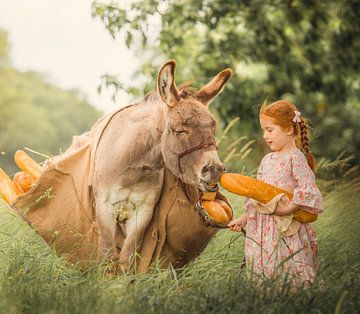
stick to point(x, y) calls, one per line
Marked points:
point(241, 222)
point(307, 195)
point(285, 208)
point(238, 224)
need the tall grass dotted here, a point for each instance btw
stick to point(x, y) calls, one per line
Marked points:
point(34, 280)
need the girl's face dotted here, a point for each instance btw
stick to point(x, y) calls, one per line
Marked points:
point(275, 136)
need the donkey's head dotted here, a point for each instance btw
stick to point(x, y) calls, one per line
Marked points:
point(188, 140)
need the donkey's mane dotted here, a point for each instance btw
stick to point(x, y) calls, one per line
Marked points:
point(184, 90)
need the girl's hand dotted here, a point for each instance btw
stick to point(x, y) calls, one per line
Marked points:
point(284, 208)
point(239, 223)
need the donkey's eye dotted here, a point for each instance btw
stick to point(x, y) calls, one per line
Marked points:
point(180, 131)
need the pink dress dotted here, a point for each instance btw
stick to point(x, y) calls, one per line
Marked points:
point(269, 253)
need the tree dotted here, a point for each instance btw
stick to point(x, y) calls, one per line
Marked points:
point(36, 114)
point(304, 51)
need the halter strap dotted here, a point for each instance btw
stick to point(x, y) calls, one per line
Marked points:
point(189, 151)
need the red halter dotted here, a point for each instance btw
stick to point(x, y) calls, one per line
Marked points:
point(190, 150)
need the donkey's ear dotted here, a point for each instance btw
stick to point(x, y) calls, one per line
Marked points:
point(214, 87)
point(166, 84)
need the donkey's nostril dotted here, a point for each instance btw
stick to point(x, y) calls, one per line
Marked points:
point(213, 169)
point(219, 168)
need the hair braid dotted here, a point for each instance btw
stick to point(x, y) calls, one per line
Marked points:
point(305, 144)
point(304, 135)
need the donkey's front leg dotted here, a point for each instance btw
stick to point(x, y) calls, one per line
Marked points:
point(135, 230)
point(107, 229)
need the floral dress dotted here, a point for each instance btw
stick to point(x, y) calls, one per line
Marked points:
point(268, 252)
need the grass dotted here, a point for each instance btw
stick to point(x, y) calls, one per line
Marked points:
point(34, 280)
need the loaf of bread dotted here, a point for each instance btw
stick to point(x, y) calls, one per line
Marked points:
point(261, 192)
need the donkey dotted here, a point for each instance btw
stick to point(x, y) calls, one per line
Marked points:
point(170, 128)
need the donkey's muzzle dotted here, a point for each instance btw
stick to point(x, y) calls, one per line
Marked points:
point(213, 171)
point(210, 175)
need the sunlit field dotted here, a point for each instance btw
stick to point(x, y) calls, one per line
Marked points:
point(34, 279)
point(304, 52)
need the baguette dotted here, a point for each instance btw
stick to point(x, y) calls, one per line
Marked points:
point(261, 192)
point(27, 164)
point(7, 188)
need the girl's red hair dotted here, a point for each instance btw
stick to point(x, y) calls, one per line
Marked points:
point(283, 113)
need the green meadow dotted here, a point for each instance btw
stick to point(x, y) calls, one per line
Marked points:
point(306, 52)
point(34, 280)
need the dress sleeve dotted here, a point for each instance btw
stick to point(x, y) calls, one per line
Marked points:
point(306, 194)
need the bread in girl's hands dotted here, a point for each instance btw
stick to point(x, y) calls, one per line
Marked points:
point(261, 192)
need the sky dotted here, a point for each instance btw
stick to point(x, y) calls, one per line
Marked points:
point(61, 40)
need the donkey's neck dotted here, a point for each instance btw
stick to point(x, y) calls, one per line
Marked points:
point(148, 119)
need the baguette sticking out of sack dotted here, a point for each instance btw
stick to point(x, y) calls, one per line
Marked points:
point(27, 164)
point(260, 191)
point(22, 182)
point(7, 189)
point(218, 210)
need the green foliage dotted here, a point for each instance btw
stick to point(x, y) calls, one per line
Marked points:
point(304, 51)
point(36, 114)
point(235, 151)
point(33, 279)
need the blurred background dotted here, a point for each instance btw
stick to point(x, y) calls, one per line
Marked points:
point(64, 64)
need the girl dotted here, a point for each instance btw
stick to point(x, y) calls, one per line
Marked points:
point(271, 251)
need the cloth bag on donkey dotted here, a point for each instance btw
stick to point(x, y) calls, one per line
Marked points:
point(60, 207)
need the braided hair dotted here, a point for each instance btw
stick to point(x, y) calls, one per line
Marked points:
point(283, 113)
